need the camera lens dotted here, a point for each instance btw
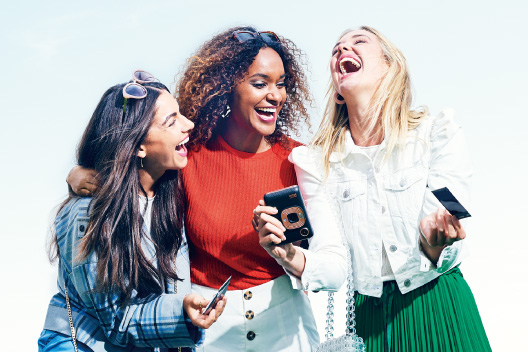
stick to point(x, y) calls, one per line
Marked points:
point(293, 218)
point(305, 232)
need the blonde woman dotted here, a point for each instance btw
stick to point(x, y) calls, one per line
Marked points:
point(377, 161)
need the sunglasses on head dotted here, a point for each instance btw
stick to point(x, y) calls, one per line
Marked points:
point(267, 36)
point(134, 90)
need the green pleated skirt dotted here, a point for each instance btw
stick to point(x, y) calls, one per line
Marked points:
point(440, 316)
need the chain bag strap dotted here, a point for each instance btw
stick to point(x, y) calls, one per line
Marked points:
point(176, 291)
point(73, 334)
point(348, 342)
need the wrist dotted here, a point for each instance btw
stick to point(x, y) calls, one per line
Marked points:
point(430, 251)
point(294, 261)
point(289, 256)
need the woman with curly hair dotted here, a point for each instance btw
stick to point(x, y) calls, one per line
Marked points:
point(246, 93)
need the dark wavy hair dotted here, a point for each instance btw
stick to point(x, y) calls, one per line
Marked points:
point(205, 88)
point(115, 233)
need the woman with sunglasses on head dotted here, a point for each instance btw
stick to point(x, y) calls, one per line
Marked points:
point(123, 259)
point(377, 161)
point(246, 92)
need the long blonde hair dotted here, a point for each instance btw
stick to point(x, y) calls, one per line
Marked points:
point(389, 107)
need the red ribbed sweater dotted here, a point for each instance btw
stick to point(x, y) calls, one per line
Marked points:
point(222, 187)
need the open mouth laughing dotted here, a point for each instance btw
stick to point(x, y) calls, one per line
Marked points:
point(181, 149)
point(267, 114)
point(348, 65)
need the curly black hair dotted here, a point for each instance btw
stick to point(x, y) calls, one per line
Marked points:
point(206, 85)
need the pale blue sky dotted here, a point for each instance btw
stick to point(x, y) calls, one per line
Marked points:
point(58, 57)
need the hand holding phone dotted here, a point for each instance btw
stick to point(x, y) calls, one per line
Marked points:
point(217, 297)
point(442, 228)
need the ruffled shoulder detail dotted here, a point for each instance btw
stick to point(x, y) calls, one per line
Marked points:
point(285, 146)
point(443, 127)
point(307, 159)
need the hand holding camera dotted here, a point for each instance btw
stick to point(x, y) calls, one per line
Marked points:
point(282, 220)
point(271, 232)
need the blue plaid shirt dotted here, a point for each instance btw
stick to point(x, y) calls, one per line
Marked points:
point(99, 318)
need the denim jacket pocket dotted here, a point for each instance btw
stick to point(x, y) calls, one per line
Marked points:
point(346, 191)
point(403, 179)
point(350, 197)
point(80, 226)
point(405, 191)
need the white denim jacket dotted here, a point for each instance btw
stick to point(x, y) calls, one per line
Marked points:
point(381, 202)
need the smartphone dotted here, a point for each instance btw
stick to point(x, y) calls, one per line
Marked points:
point(291, 212)
point(217, 297)
point(449, 202)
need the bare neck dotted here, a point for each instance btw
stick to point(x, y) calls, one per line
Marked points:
point(360, 121)
point(244, 142)
point(147, 180)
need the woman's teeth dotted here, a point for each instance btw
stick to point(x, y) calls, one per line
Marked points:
point(267, 110)
point(348, 65)
point(181, 144)
point(266, 113)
